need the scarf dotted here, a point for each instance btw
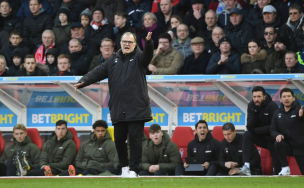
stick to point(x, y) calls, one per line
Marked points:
point(95, 26)
point(148, 29)
point(40, 54)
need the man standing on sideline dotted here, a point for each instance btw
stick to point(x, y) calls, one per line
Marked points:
point(287, 127)
point(259, 115)
point(129, 102)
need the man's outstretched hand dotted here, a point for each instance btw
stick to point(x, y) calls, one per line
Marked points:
point(149, 36)
point(76, 86)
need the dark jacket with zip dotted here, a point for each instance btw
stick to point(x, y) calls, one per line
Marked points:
point(126, 75)
point(58, 154)
point(294, 70)
point(195, 66)
point(233, 66)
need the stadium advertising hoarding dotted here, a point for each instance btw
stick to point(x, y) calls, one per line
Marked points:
point(7, 118)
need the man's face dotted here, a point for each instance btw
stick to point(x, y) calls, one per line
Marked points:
point(119, 21)
point(210, 19)
point(294, 15)
point(269, 34)
point(197, 48)
point(287, 99)
point(48, 39)
point(197, 6)
point(61, 131)
point(235, 19)
point(5, 9)
point(217, 34)
point(166, 6)
point(74, 46)
point(225, 47)
point(63, 64)
point(148, 21)
point(279, 46)
point(15, 40)
point(35, 7)
point(97, 16)
point(290, 60)
point(156, 137)
point(166, 44)
point(77, 32)
point(30, 65)
point(262, 3)
point(100, 132)
point(19, 135)
point(182, 32)
point(258, 97)
point(269, 17)
point(2, 65)
point(201, 131)
point(106, 48)
point(128, 44)
point(229, 4)
point(229, 135)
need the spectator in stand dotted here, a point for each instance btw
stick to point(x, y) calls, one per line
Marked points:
point(3, 70)
point(15, 41)
point(106, 49)
point(239, 31)
point(15, 5)
point(283, 7)
point(11, 22)
point(182, 43)
point(213, 46)
point(156, 5)
point(51, 60)
point(135, 12)
point(164, 14)
point(197, 62)
point(195, 19)
point(62, 27)
point(24, 11)
point(35, 24)
point(218, 6)
point(294, 28)
point(85, 17)
point(110, 7)
point(166, 60)
point(98, 29)
point(63, 66)
point(122, 26)
point(254, 61)
point(4, 35)
point(48, 42)
point(17, 59)
point(80, 58)
point(292, 64)
point(74, 7)
point(268, 44)
point(224, 61)
point(211, 22)
point(150, 25)
point(31, 68)
point(175, 21)
point(256, 14)
point(275, 62)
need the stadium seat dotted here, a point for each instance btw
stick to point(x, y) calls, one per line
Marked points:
point(181, 137)
point(266, 161)
point(75, 137)
point(2, 144)
point(293, 165)
point(33, 133)
point(111, 132)
point(146, 131)
point(217, 133)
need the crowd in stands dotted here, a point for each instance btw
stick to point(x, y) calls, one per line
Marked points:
point(190, 36)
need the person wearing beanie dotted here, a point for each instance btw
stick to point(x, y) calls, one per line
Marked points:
point(11, 22)
point(224, 61)
point(62, 28)
point(195, 19)
point(73, 6)
point(110, 7)
point(85, 17)
point(17, 59)
point(51, 60)
point(275, 62)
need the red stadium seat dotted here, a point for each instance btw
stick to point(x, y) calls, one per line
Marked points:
point(217, 133)
point(146, 131)
point(266, 161)
point(181, 137)
point(2, 144)
point(33, 133)
point(75, 137)
point(293, 165)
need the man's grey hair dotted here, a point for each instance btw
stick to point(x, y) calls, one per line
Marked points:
point(152, 16)
point(49, 32)
point(75, 40)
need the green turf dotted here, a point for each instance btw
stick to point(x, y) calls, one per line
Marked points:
point(154, 182)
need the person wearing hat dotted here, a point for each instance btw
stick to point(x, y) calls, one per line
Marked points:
point(239, 31)
point(166, 59)
point(17, 59)
point(85, 17)
point(197, 62)
point(74, 6)
point(98, 29)
point(224, 61)
point(62, 28)
point(275, 62)
point(195, 19)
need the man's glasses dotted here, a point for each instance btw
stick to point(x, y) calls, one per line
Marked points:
point(293, 13)
point(126, 42)
point(268, 33)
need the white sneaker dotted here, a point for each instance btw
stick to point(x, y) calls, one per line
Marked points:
point(125, 172)
point(285, 171)
point(133, 174)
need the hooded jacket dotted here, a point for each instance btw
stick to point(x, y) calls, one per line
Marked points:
point(62, 33)
point(294, 70)
point(126, 77)
point(233, 66)
point(58, 154)
point(97, 154)
point(13, 69)
point(169, 156)
point(52, 67)
point(290, 125)
point(250, 63)
point(275, 62)
point(195, 66)
point(8, 49)
point(31, 151)
point(184, 49)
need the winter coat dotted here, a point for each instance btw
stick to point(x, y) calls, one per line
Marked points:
point(75, 7)
point(250, 63)
point(169, 156)
point(184, 49)
point(110, 7)
point(31, 151)
point(290, 125)
point(211, 48)
point(142, 34)
point(167, 63)
point(8, 49)
point(118, 35)
point(207, 149)
point(62, 33)
point(86, 45)
point(161, 18)
point(97, 60)
point(275, 62)
point(58, 154)
point(265, 47)
point(233, 66)
point(195, 66)
point(53, 66)
point(255, 16)
point(126, 77)
point(224, 17)
point(294, 70)
point(4, 36)
point(195, 24)
point(5, 73)
point(136, 12)
point(24, 11)
point(12, 22)
point(81, 61)
point(260, 28)
point(40, 70)
point(97, 154)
